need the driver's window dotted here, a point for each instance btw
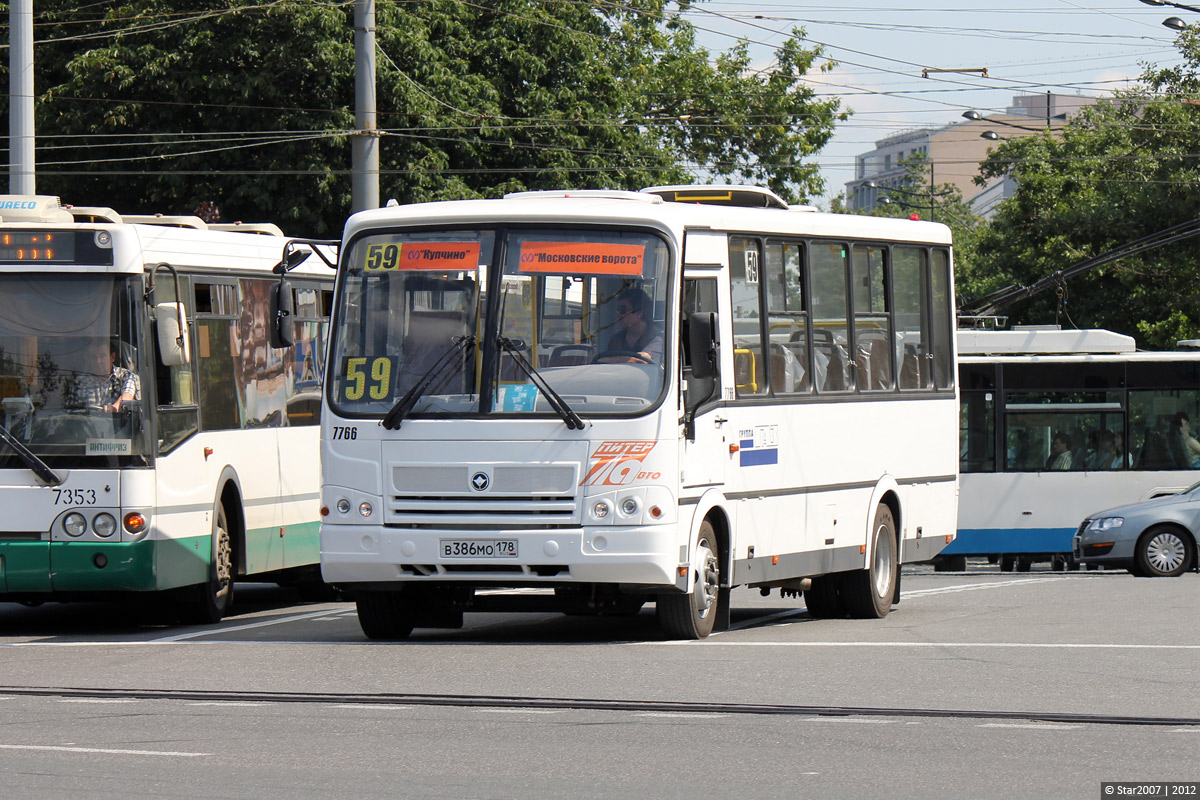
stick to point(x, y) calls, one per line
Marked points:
point(699, 296)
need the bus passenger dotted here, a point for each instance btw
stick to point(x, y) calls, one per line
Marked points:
point(639, 341)
point(1182, 444)
point(1060, 452)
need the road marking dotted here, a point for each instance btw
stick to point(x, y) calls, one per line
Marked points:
point(360, 706)
point(679, 715)
point(520, 710)
point(102, 750)
point(855, 720)
point(1031, 726)
point(265, 623)
point(1012, 645)
point(97, 700)
point(968, 587)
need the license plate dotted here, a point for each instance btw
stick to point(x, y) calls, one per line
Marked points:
point(478, 548)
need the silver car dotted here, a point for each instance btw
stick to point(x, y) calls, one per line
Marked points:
point(1154, 539)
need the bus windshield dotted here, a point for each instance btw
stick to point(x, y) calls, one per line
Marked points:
point(70, 385)
point(453, 322)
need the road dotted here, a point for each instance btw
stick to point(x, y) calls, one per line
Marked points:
point(979, 683)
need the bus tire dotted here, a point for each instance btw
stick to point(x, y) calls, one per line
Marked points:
point(868, 593)
point(214, 598)
point(1163, 552)
point(823, 599)
point(1024, 563)
point(692, 615)
point(1007, 562)
point(384, 615)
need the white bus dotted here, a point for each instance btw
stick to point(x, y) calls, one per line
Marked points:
point(616, 398)
point(151, 439)
point(1058, 424)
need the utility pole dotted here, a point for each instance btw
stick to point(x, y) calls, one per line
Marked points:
point(364, 144)
point(20, 98)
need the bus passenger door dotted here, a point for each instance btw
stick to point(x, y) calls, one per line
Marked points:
point(704, 450)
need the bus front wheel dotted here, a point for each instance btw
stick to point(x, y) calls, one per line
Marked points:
point(867, 593)
point(214, 598)
point(692, 615)
point(385, 615)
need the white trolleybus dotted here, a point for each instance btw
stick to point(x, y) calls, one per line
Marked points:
point(151, 439)
point(1058, 424)
point(618, 398)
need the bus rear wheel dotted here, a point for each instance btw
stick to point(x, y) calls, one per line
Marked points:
point(692, 615)
point(867, 593)
point(385, 615)
point(822, 597)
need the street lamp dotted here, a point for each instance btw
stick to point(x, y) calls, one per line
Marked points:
point(1174, 23)
point(977, 117)
point(1172, 5)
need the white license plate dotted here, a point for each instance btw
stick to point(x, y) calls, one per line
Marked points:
point(478, 548)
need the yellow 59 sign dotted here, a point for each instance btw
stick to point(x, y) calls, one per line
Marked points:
point(367, 378)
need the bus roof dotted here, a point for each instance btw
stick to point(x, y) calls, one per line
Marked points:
point(653, 207)
point(1043, 341)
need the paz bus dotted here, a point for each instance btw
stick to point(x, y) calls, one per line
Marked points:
point(152, 442)
point(607, 398)
point(1113, 411)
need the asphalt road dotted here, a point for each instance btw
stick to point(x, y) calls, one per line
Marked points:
point(979, 683)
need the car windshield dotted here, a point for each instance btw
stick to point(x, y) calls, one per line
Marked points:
point(454, 322)
point(70, 385)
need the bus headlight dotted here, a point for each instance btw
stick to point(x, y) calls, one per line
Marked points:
point(630, 506)
point(343, 506)
point(1105, 523)
point(104, 525)
point(601, 509)
point(365, 509)
point(75, 524)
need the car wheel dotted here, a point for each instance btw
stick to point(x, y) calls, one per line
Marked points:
point(1163, 552)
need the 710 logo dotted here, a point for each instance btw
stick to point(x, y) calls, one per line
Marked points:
point(619, 464)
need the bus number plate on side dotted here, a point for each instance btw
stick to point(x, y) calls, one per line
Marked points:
point(478, 548)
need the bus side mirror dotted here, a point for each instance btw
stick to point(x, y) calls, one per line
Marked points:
point(283, 315)
point(702, 343)
point(173, 344)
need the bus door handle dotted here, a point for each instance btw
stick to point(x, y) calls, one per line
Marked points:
point(719, 421)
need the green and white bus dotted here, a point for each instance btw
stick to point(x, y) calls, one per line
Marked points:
point(152, 441)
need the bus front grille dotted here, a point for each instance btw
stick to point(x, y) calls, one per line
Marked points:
point(499, 511)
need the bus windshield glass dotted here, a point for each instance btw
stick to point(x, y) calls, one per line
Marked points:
point(454, 322)
point(70, 384)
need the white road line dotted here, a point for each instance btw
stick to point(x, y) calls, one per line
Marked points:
point(968, 587)
point(1030, 726)
point(102, 750)
point(265, 623)
point(97, 700)
point(1013, 645)
point(520, 710)
point(372, 706)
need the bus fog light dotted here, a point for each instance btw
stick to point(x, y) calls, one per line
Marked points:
point(104, 525)
point(343, 506)
point(75, 524)
point(134, 522)
point(365, 509)
point(600, 509)
point(630, 506)
point(655, 512)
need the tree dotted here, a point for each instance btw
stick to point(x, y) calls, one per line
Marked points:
point(163, 104)
point(1121, 170)
point(942, 202)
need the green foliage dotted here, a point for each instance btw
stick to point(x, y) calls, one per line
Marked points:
point(158, 105)
point(1121, 170)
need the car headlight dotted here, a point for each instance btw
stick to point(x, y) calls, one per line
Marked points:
point(1105, 523)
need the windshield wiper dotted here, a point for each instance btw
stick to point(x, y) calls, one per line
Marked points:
point(405, 404)
point(554, 398)
point(39, 467)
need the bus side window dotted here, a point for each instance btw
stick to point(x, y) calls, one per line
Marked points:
point(176, 417)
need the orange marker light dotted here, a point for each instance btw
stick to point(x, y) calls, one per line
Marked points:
point(134, 522)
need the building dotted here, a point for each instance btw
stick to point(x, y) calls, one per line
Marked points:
point(953, 153)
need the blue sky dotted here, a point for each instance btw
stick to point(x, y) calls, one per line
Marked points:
point(881, 48)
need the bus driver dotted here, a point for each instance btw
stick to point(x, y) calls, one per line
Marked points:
point(639, 341)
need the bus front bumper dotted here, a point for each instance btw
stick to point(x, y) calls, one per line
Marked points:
point(644, 555)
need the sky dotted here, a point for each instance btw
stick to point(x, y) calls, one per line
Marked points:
point(1089, 48)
